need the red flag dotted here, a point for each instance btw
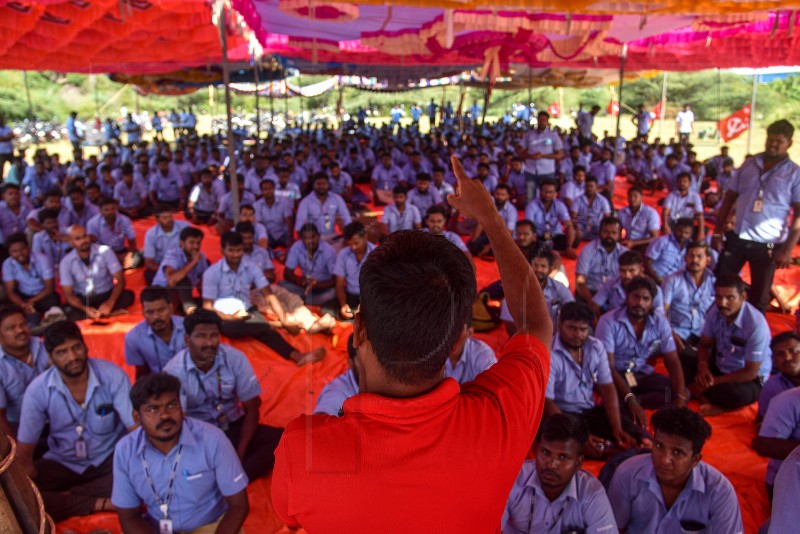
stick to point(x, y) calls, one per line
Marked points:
point(657, 110)
point(733, 125)
point(554, 110)
point(613, 108)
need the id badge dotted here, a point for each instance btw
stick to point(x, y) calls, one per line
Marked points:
point(165, 526)
point(630, 378)
point(758, 205)
point(80, 450)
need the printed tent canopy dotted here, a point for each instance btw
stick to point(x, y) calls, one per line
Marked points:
point(366, 34)
point(133, 36)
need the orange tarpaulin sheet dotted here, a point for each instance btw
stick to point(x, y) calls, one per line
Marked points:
point(290, 391)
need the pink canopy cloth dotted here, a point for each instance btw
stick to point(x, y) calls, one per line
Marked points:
point(365, 34)
point(132, 36)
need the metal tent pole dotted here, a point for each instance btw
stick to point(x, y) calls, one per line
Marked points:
point(227, 80)
point(617, 144)
point(258, 105)
point(28, 93)
point(752, 115)
point(663, 104)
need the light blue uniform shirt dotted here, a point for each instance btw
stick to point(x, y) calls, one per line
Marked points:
point(260, 257)
point(339, 185)
point(582, 506)
point(547, 220)
point(335, 392)
point(597, 264)
point(226, 202)
point(683, 206)
point(785, 512)
point(667, 255)
point(605, 172)
point(782, 421)
point(781, 188)
point(209, 470)
point(556, 295)
point(401, 221)
point(387, 179)
point(349, 268)
point(638, 503)
point(571, 190)
point(69, 216)
point(544, 141)
point(93, 279)
point(29, 281)
point(274, 216)
point(688, 304)
point(201, 392)
point(204, 200)
point(745, 340)
point(220, 281)
point(571, 386)
point(510, 215)
point(144, 347)
point(113, 237)
point(776, 384)
point(589, 214)
point(423, 201)
point(612, 295)
point(11, 222)
point(157, 242)
point(107, 414)
point(670, 176)
point(176, 258)
point(475, 359)
point(619, 338)
point(640, 225)
point(43, 244)
point(322, 214)
point(16, 375)
point(321, 264)
point(167, 188)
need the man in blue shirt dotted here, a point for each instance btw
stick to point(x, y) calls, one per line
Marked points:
point(323, 209)
point(28, 279)
point(186, 466)
point(276, 215)
point(671, 489)
point(479, 244)
point(785, 512)
point(112, 229)
point(384, 178)
point(632, 335)
point(612, 293)
point(86, 403)
point(588, 210)
point(683, 203)
point(598, 262)
point(14, 210)
point(555, 293)
point(131, 194)
point(785, 349)
point(316, 259)
point(160, 239)
point(22, 358)
point(220, 387)
point(49, 241)
point(400, 215)
point(779, 433)
point(182, 268)
point(166, 187)
point(92, 279)
point(640, 222)
point(668, 172)
point(739, 337)
point(347, 268)
point(665, 254)
point(553, 493)
point(552, 220)
point(688, 294)
point(153, 342)
point(764, 191)
point(226, 290)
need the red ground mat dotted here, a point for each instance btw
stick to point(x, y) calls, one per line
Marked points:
point(290, 391)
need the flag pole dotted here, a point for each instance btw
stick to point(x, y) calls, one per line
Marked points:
point(752, 114)
point(231, 168)
point(617, 144)
point(663, 104)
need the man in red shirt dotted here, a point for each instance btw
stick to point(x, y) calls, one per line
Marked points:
point(413, 451)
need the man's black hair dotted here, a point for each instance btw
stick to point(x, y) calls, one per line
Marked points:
point(154, 293)
point(684, 222)
point(783, 337)
point(15, 238)
point(54, 192)
point(565, 427)
point(698, 243)
point(400, 190)
point(58, 334)
point(47, 213)
point(245, 227)
point(635, 189)
point(548, 181)
point(781, 127)
point(200, 316)
point(105, 201)
point(591, 178)
point(731, 280)
point(684, 423)
point(7, 309)
point(306, 228)
point(412, 342)
point(630, 257)
point(424, 176)
point(546, 255)
point(436, 210)
point(9, 185)
point(577, 168)
point(607, 221)
point(526, 222)
point(153, 386)
point(190, 231)
point(504, 187)
point(576, 311)
point(230, 239)
point(642, 282)
point(353, 229)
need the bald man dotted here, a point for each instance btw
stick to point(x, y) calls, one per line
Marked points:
point(88, 275)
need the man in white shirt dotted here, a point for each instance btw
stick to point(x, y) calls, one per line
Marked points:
point(6, 145)
point(685, 123)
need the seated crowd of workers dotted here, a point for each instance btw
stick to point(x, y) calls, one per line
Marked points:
point(185, 439)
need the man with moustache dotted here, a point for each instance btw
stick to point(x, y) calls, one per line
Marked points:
point(612, 294)
point(184, 471)
point(182, 268)
point(323, 209)
point(598, 262)
point(152, 343)
point(664, 254)
point(86, 403)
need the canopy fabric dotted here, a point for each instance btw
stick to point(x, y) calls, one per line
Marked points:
point(134, 36)
point(366, 34)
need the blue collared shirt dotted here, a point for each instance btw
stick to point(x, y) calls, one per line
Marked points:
point(348, 267)
point(322, 214)
point(167, 188)
point(571, 386)
point(612, 295)
point(667, 255)
point(341, 184)
point(670, 176)
point(337, 391)
point(387, 179)
point(204, 200)
point(95, 278)
point(785, 512)
point(510, 215)
point(597, 264)
point(689, 206)
point(220, 281)
point(582, 506)
point(43, 244)
point(319, 266)
point(209, 470)
point(274, 217)
point(782, 421)
point(556, 295)
point(475, 359)
point(640, 225)
point(401, 221)
point(113, 237)
point(571, 190)
point(69, 216)
point(144, 347)
point(260, 257)
point(589, 213)
point(638, 503)
point(619, 338)
point(10, 222)
point(547, 220)
point(29, 281)
point(176, 258)
point(544, 141)
point(776, 384)
point(15, 376)
point(781, 188)
point(226, 202)
point(605, 172)
point(157, 242)
point(201, 392)
point(107, 413)
point(745, 340)
point(688, 304)
point(423, 201)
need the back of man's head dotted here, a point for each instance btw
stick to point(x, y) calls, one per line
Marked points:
point(417, 291)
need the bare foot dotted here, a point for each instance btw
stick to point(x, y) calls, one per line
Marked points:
point(311, 357)
point(710, 410)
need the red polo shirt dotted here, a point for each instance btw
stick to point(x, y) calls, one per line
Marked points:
point(441, 462)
